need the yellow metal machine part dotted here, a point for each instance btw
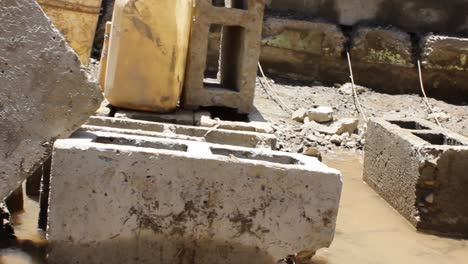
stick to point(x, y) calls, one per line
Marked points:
point(147, 54)
point(77, 20)
point(104, 53)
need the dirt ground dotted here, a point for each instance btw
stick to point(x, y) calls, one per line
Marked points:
point(295, 137)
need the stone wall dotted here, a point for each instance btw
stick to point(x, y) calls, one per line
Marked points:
point(421, 16)
point(384, 59)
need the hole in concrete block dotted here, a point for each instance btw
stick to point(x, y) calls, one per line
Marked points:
point(413, 125)
point(214, 53)
point(230, 53)
point(439, 139)
point(254, 156)
point(238, 4)
point(141, 143)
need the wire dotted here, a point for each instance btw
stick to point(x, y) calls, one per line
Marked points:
point(357, 103)
point(431, 110)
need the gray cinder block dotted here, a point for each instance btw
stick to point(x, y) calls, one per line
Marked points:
point(123, 199)
point(241, 31)
point(421, 170)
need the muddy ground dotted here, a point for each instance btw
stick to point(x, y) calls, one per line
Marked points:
point(295, 137)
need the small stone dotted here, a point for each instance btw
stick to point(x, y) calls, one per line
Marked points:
point(442, 117)
point(347, 89)
point(299, 115)
point(336, 139)
point(347, 125)
point(321, 114)
point(312, 138)
point(430, 198)
point(313, 152)
point(351, 144)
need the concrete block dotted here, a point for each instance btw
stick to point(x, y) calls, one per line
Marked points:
point(441, 52)
point(181, 201)
point(315, 38)
point(420, 170)
point(382, 46)
point(219, 135)
point(180, 116)
point(44, 93)
point(239, 53)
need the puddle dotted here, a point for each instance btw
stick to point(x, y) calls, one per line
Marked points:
point(31, 245)
point(368, 231)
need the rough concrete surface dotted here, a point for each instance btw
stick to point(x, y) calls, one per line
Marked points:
point(181, 201)
point(44, 94)
point(441, 52)
point(420, 170)
point(163, 130)
point(239, 54)
point(382, 46)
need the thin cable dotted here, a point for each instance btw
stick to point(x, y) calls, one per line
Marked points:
point(431, 111)
point(357, 103)
point(269, 90)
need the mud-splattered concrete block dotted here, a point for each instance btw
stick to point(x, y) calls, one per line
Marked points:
point(382, 46)
point(316, 38)
point(241, 22)
point(215, 135)
point(44, 94)
point(420, 170)
point(181, 201)
point(441, 52)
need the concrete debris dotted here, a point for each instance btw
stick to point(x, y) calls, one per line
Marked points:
point(313, 152)
point(347, 89)
point(321, 114)
point(441, 116)
point(299, 115)
point(162, 195)
point(44, 93)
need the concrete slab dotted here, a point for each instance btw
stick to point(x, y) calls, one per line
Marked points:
point(215, 135)
point(420, 170)
point(44, 94)
point(179, 201)
point(241, 23)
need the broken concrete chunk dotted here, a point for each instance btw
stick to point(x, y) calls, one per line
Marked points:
point(299, 115)
point(320, 114)
point(44, 94)
point(346, 125)
point(347, 89)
